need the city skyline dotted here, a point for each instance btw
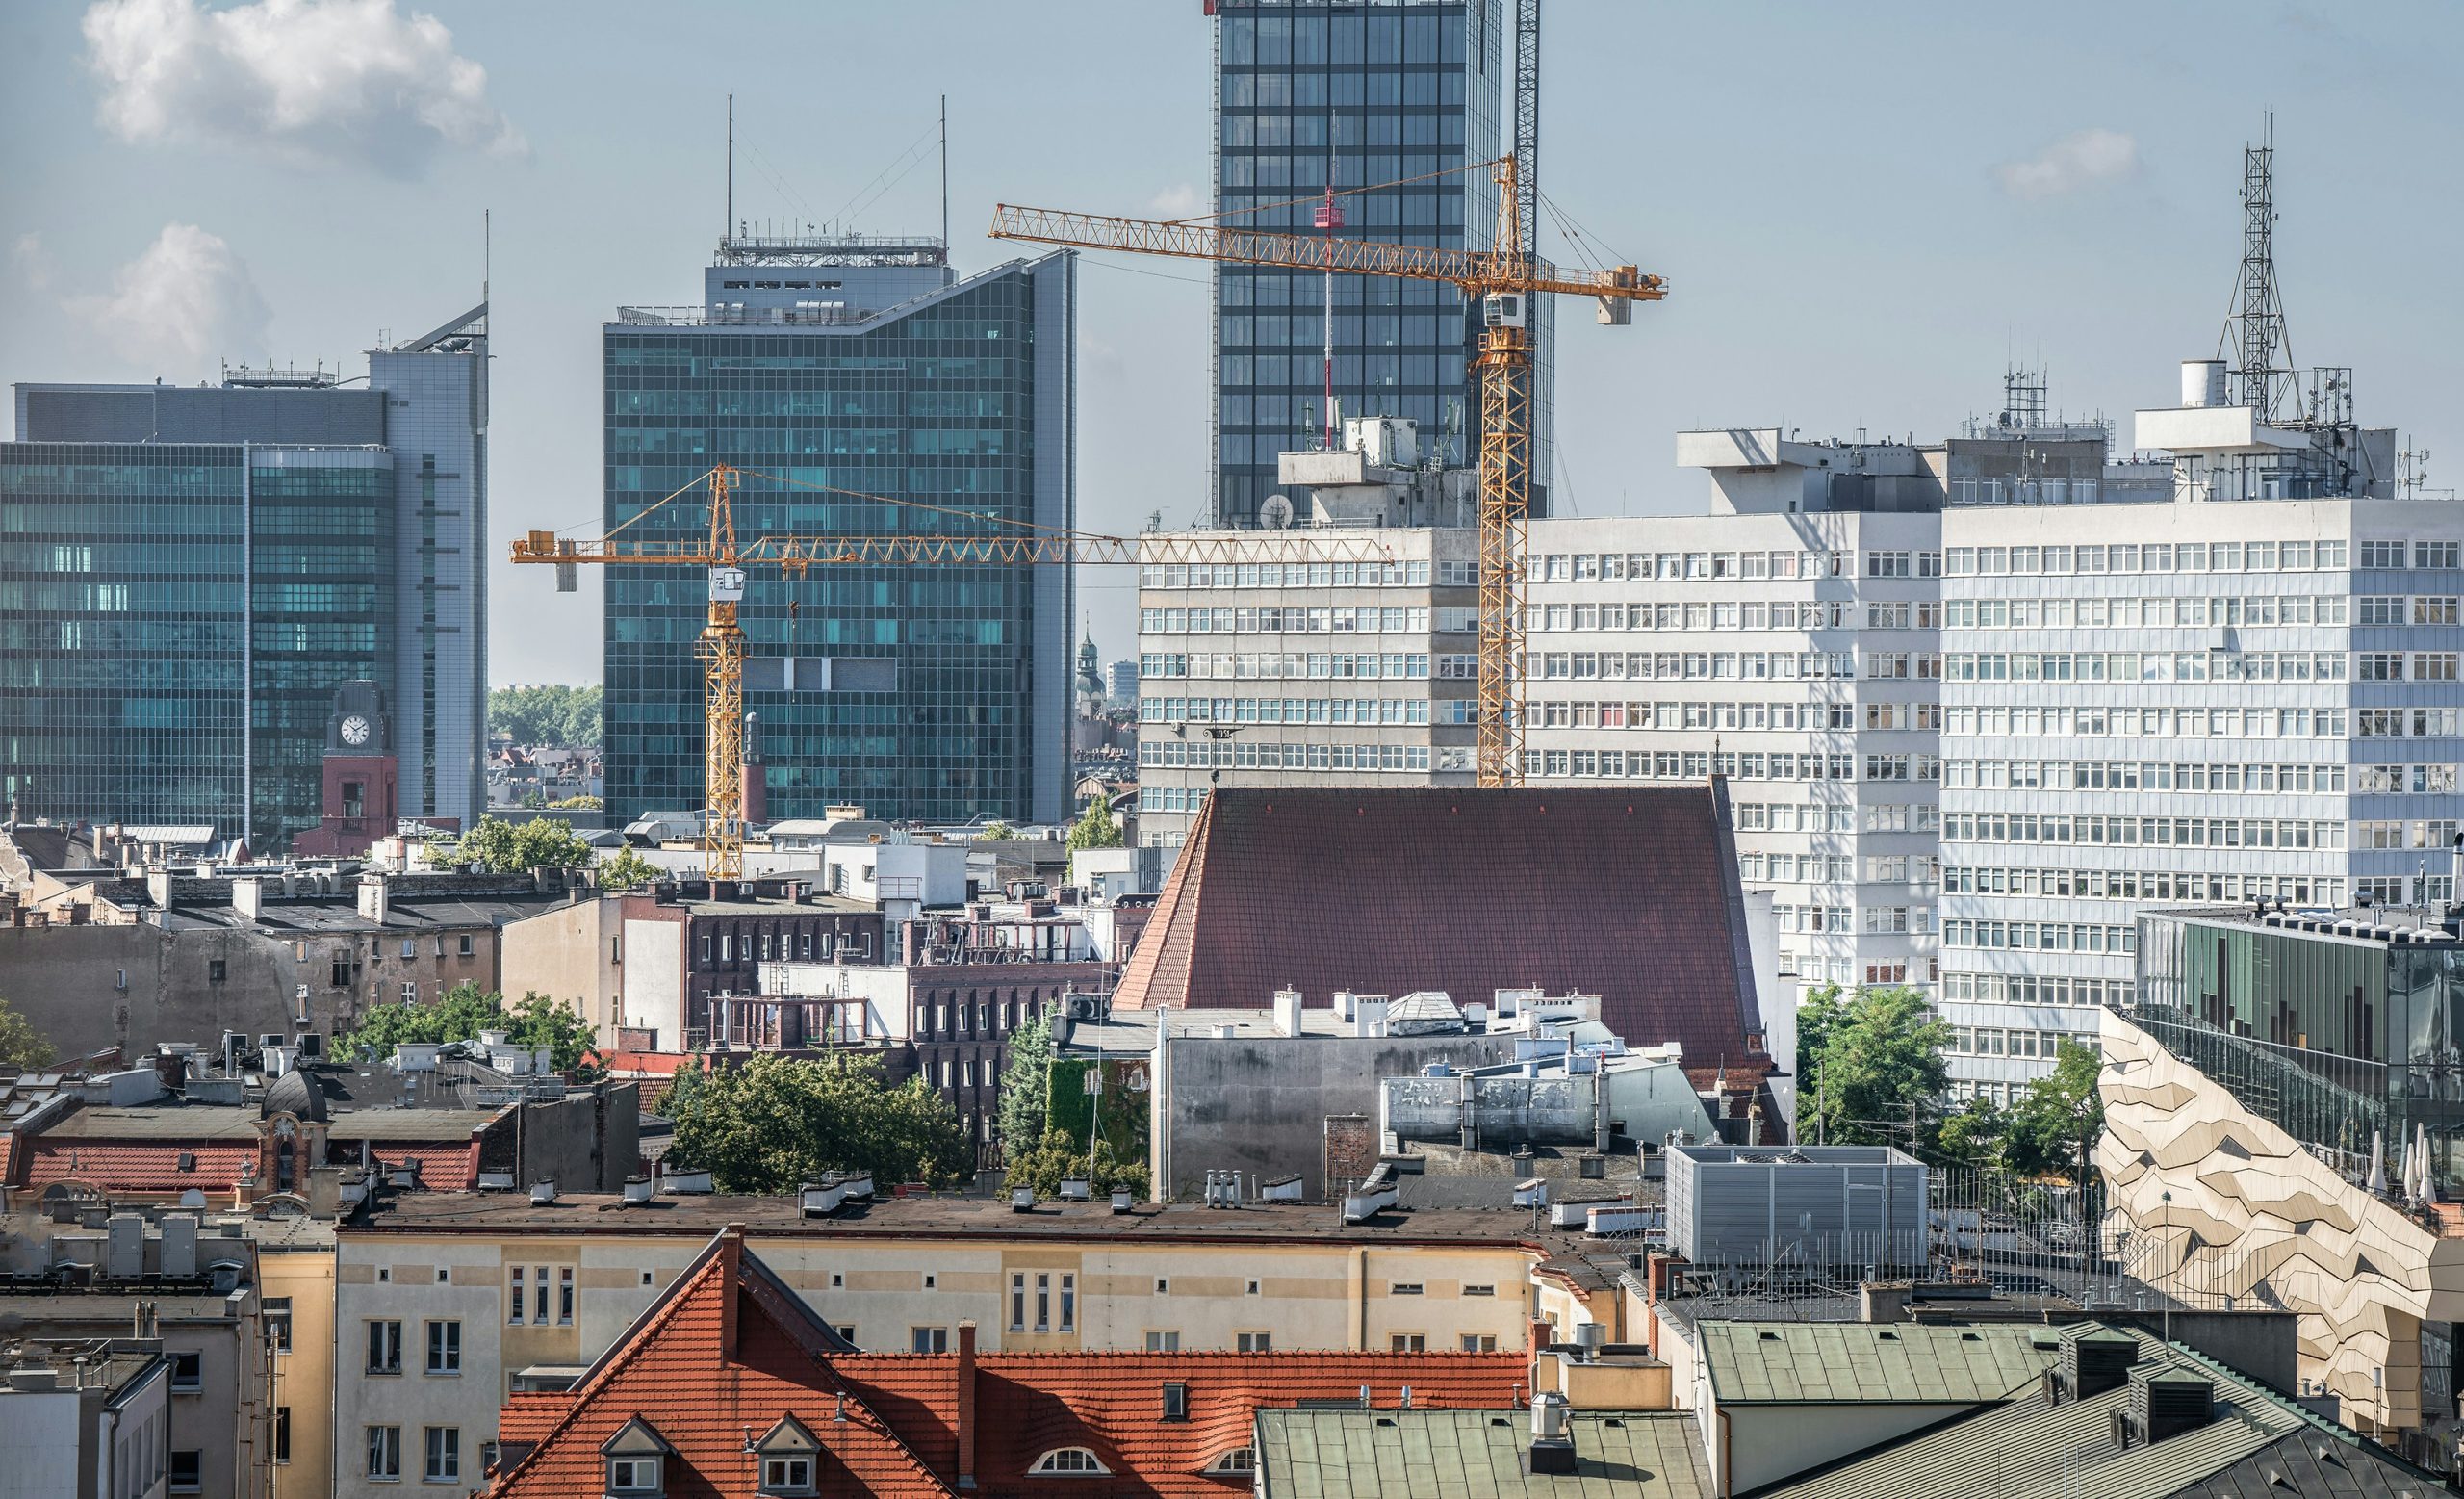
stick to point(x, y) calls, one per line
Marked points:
point(138, 246)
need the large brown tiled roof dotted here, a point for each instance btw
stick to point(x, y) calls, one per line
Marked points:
point(1629, 894)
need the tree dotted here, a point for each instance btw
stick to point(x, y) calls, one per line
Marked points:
point(466, 1009)
point(626, 868)
point(996, 831)
point(1058, 1157)
point(776, 1122)
point(1096, 827)
point(500, 847)
point(2055, 1123)
point(555, 715)
point(1026, 1087)
point(21, 1044)
point(1878, 1076)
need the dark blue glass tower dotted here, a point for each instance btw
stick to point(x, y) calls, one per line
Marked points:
point(832, 371)
point(1408, 92)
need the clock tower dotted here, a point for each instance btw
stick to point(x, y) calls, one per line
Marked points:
point(361, 775)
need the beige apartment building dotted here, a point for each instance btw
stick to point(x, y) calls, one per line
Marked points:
point(444, 1305)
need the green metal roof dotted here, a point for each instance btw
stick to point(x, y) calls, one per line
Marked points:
point(1474, 1454)
point(1875, 1363)
point(2027, 1448)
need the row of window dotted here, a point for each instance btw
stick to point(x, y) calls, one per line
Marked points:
point(1838, 868)
point(1291, 575)
point(2419, 833)
point(1287, 665)
point(1690, 765)
point(2407, 723)
point(1703, 665)
point(989, 1017)
point(1873, 920)
point(1698, 566)
point(1336, 666)
point(1392, 619)
point(1841, 818)
point(2157, 775)
point(442, 1447)
point(2149, 613)
point(2214, 666)
point(2033, 988)
point(1372, 710)
point(2122, 832)
point(736, 945)
point(2150, 884)
point(1723, 615)
point(2158, 723)
point(538, 1303)
point(2189, 557)
point(1997, 1040)
point(2040, 935)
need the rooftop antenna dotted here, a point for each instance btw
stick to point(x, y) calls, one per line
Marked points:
point(945, 178)
point(2255, 335)
point(727, 229)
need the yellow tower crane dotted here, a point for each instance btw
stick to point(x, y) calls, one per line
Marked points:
point(721, 647)
point(1501, 281)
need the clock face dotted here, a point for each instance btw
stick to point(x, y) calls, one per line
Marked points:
point(354, 730)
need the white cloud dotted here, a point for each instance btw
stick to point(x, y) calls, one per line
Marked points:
point(179, 307)
point(319, 80)
point(2079, 160)
point(1180, 200)
point(34, 262)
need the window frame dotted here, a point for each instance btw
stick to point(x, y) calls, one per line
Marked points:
point(380, 1440)
point(444, 1336)
point(1069, 1462)
point(384, 1334)
point(448, 1450)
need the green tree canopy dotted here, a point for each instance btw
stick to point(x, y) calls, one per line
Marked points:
point(1096, 827)
point(776, 1122)
point(21, 1044)
point(1057, 1157)
point(2055, 1123)
point(996, 831)
point(465, 1011)
point(500, 847)
point(1870, 1069)
point(627, 870)
point(553, 714)
point(1026, 1085)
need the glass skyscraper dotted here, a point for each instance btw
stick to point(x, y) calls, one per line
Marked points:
point(1411, 93)
point(187, 573)
point(174, 620)
point(843, 375)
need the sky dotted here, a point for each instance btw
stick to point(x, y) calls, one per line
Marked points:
point(1864, 213)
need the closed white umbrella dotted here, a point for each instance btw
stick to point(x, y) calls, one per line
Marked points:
point(2425, 1185)
point(2377, 1161)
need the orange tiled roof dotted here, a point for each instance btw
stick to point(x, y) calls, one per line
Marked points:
point(130, 1166)
point(896, 1430)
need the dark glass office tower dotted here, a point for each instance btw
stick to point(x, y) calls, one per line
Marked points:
point(1406, 92)
point(173, 621)
point(832, 371)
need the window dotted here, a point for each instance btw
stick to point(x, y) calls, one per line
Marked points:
point(276, 1314)
point(539, 1295)
point(384, 1348)
point(1253, 1342)
point(1069, 1303)
point(1068, 1459)
point(444, 1453)
point(216, 969)
point(1017, 1303)
point(1408, 1343)
point(513, 1301)
point(1240, 1461)
point(1479, 1342)
point(1043, 1304)
point(282, 1433)
point(187, 1471)
point(565, 1295)
point(787, 1475)
point(1176, 1400)
point(632, 1475)
point(1404, 1288)
point(384, 1452)
point(187, 1373)
point(1479, 1290)
point(464, 950)
point(1253, 1288)
point(929, 1340)
point(1163, 1288)
point(1164, 1341)
point(444, 1348)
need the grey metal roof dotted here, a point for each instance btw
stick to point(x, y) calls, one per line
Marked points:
point(1874, 1363)
point(1474, 1454)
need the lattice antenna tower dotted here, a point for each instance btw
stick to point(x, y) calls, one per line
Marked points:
point(2256, 339)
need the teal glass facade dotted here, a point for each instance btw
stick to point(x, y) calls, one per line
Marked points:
point(173, 621)
point(915, 689)
point(1410, 94)
point(2335, 1039)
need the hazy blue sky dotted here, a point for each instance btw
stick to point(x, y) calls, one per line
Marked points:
point(1862, 209)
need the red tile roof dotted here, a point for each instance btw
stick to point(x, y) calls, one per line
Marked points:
point(442, 1168)
point(131, 1165)
point(900, 1434)
point(1630, 895)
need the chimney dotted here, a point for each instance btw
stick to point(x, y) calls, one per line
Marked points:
point(731, 1261)
point(372, 897)
point(1287, 1011)
point(1553, 1451)
point(966, 1404)
point(248, 899)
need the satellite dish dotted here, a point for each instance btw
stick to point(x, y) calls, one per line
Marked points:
point(1275, 512)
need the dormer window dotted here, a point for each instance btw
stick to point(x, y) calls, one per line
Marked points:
point(637, 1461)
point(1069, 1461)
point(1238, 1463)
point(789, 1453)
